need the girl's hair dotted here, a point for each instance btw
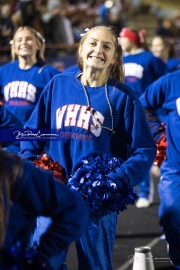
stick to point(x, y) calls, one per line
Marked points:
point(117, 69)
point(11, 168)
point(38, 37)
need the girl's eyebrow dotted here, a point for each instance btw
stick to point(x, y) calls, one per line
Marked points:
point(107, 42)
point(24, 37)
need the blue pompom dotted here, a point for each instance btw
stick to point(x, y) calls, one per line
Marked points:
point(92, 183)
point(15, 257)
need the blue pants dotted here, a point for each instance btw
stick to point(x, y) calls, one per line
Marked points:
point(145, 189)
point(169, 210)
point(95, 247)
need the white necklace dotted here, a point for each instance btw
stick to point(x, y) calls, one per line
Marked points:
point(89, 108)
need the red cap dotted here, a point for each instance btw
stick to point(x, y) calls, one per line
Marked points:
point(131, 35)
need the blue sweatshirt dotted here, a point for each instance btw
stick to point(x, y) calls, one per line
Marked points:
point(173, 64)
point(141, 69)
point(21, 88)
point(63, 106)
point(165, 93)
point(37, 193)
point(8, 120)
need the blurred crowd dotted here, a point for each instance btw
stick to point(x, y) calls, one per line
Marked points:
point(59, 21)
point(62, 22)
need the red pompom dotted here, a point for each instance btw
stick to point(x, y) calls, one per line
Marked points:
point(45, 162)
point(161, 150)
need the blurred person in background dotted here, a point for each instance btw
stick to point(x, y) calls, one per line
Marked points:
point(114, 14)
point(102, 13)
point(7, 26)
point(141, 69)
point(163, 47)
point(58, 26)
point(118, 15)
point(166, 28)
point(141, 66)
point(27, 14)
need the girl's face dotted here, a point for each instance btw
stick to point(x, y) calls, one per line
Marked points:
point(25, 44)
point(98, 50)
point(126, 44)
point(157, 47)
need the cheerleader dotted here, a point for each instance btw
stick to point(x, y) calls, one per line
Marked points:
point(103, 139)
point(164, 93)
point(163, 47)
point(141, 69)
point(23, 79)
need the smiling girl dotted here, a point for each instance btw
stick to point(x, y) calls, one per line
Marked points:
point(97, 118)
point(23, 79)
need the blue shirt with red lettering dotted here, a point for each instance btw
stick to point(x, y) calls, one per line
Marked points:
point(63, 107)
point(141, 69)
point(21, 88)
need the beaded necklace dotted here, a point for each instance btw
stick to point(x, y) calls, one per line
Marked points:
point(89, 108)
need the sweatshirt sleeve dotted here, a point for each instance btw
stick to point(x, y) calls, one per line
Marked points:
point(31, 148)
point(152, 100)
point(39, 194)
point(8, 124)
point(140, 144)
point(8, 120)
point(142, 148)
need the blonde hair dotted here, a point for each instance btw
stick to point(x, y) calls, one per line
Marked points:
point(10, 169)
point(117, 69)
point(39, 40)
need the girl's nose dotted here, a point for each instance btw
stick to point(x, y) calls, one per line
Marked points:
point(23, 41)
point(98, 48)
